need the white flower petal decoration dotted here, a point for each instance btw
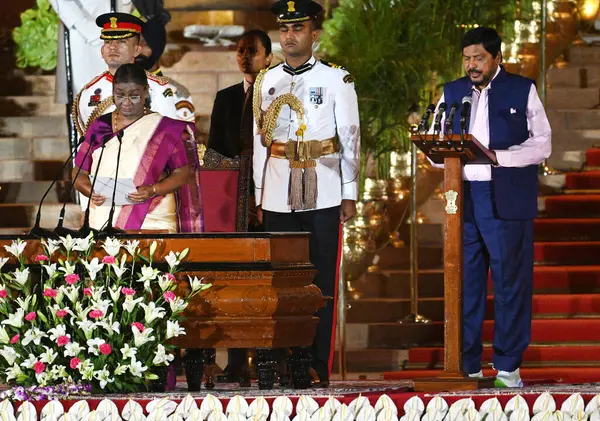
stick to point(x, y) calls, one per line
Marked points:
point(573, 404)
point(79, 410)
point(164, 405)
point(459, 408)
point(438, 404)
point(93, 416)
point(175, 417)
point(411, 415)
point(322, 414)
point(595, 416)
point(136, 416)
point(284, 405)
point(279, 416)
point(108, 407)
point(258, 408)
point(186, 406)
point(367, 413)
point(210, 404)
point(307, 404)
point(516, 402)
point(414, 404)
point(52, 409)
point(519, 414)
point(302, 416)
point(195, 415)
point(544, 402)
point(344, 413)
point(64, 417)
point(471, 414)
point(544, 416)
point(489, 405)
point(27, 412)
point(234, 416)
point(388, 414)
point(579, 416)
point(561, 416)
point(112, 417)
point(592, 404)
point(238, 405)
point(216, 416)
point(434, 415)
point(357, 404)
point(385, 402)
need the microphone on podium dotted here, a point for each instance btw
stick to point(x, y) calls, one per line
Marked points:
point(36, 230)
point(450, 119)
point(437, 125)
point(109, 229)
point(465, 114)
point(424, 124)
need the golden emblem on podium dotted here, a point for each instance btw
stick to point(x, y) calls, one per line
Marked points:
point(451, 197)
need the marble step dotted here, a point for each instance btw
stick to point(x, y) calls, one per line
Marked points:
point(574, 119)
point(40, 126)
point(30, 106)
point(38, 148)
point(23, 215)
point(573, 76)
point(22, 170)
point(28, 85)
point(32, 192)
point(572, 98)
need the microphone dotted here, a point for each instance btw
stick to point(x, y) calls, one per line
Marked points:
point(465, 113)
point(85, 230)
point(36, 230)
point(424, 124)
point(110, 230)
point(59, 229)
point(450, 118)
point(437, 125)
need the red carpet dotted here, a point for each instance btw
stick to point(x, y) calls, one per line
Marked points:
point(566, 304)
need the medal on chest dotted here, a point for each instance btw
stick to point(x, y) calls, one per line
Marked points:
point(96, 98)
point(316, 96)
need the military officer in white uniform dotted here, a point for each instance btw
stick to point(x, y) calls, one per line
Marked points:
point(121, 35)
point(79, 16)
point(307, 155)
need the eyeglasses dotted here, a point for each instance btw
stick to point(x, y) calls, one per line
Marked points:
point(134, 99)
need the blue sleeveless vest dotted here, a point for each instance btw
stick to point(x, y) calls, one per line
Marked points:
point(515, 190)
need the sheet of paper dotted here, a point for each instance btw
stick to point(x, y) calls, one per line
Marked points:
point(105, 187)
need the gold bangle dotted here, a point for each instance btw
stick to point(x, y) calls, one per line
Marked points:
point(154, 190)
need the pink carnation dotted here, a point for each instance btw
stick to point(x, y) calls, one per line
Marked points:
point(3, 293)
point(171, 277)
point(75, 363)
point(105, 349)
point(87, 291)
point(41, 258)
point(63, 340)
point(128, 291)
point(108, 259)
point(96, 314)
point(169, 296)
point(15, 339)
point(39, 367)
point(49, 292)
point(30, 316)
point(72, 278)
point(61, 313)
point(139, 326)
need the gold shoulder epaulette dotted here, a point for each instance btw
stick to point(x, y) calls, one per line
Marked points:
point(333, 65)
point(161, 80)
point(75, 114)
point(99, 110)
point(94, 80)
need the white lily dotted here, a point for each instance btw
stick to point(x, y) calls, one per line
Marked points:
point(72, 349)
point(13, 372)
point(132, 246)
point(128, 352)
point(16, 248)
point(121, 369)
point(104, 377)
point(3, 261)
point(83, 244)
point(41, 378)
point(172, 260)
point(87, 326)
point(141, 338)
point(148, 274)
point(153, 247)
point(9, 354)
point(51, 246)
point(87, 370)
point(67, 242)
point(164, 282)
point(59, 372)
point(67, 268)
point(29, 362)
point(178, 305)
point(22, 276)
point(4, 338)
point(197, 284)
point(136, 368)
point(49, 356)
point(161, 357)
point(94, 345)
point(15, 319)
point(120, 269)
point(114, 293)
point(174, 330)
point(72, 292)
point(112, 246)
point(34, 335)
point(25, 303)
point(50, 269)
point(109, 326)
point(93, 267)
point(60, 330)
point(151, 312)
point(130, 304)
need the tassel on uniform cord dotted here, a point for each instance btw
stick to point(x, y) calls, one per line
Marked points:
point(310, 184)
point(295, 194)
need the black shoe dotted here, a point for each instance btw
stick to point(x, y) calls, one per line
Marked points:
point(229, 375)
point(319, 378)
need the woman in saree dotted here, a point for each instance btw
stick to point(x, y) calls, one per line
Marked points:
point(157, 152)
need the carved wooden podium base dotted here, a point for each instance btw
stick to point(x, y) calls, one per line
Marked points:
point(452, 383)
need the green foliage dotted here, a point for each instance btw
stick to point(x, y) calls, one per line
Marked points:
point(36, 38)
point(398, 51)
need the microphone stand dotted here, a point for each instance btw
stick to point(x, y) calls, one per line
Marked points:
point(36, 230)
point(85, 230)
point(110, 230)
point(59, 229)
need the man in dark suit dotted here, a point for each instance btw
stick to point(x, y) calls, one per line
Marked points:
point(231, 135)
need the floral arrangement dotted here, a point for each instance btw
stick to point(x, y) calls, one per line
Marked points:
point(88, 320)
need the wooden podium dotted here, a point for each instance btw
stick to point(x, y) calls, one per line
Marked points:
point(453, 151)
